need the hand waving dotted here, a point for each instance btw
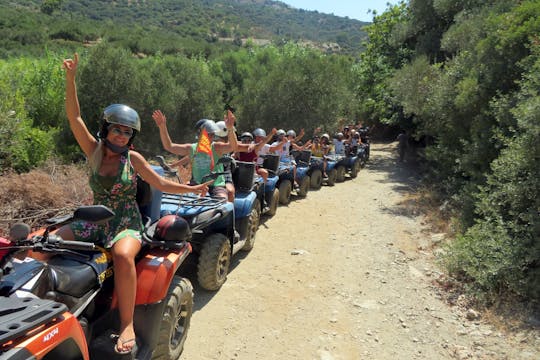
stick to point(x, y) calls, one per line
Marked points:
point(159, 118)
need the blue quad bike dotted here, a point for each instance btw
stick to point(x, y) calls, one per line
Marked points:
point(227, 227)
point(285, 172)
point(314, 166)
point(331, 169)
point(348, 164)
point(271, 189)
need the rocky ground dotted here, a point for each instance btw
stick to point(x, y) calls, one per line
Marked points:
point(347, 273)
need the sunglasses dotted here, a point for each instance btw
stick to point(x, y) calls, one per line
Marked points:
point(117, 131)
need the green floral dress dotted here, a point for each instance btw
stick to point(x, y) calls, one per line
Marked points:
point(121, 198)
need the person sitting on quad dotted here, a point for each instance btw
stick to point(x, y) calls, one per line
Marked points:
point(260, 137)
point(282, 147)
point(202, 163)
point(258, 143)
point(113, 179)
point(222, 135)
point(319, 148)
point(339, 144)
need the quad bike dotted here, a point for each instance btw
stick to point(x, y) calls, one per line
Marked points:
point(228, 228)
point(331, 169)
point(314, 166)
point(271, 190)
point(286, 180)
point(350, 164)
point(64, 307)
point(303, 171)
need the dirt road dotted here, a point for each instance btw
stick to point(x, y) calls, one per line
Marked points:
point(339, 275)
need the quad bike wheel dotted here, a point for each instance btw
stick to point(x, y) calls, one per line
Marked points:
point(214, 262)
point(355, 169)
point(285, 188)
point(340, 175)
point(273, 203)
point(332, 175)
point(304, 186)
point(175, 320)
point(316, 179)
point(253, 226)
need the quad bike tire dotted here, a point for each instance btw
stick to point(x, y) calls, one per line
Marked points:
point(253, 226)
point(340, 173)
point(285, 188)
point(304, 186)
point(175, 320)
point(332, 176)
point(355, 168)
point(316, 179)
point(214, 261)
point(273, 203)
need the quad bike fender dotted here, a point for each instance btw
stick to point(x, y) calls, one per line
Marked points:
point(330, 165)
point(56, 337)
point(154, 274)
point(271, 183)
point(243, 202)
point(301, 172)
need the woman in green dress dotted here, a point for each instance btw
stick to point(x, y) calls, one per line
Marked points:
point(113, 180)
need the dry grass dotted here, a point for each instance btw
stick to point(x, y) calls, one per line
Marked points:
point(42, 193)
point(426, 202)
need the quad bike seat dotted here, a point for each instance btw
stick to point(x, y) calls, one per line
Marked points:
point(72, 277)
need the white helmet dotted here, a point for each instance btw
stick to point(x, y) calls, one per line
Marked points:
point(222, 129)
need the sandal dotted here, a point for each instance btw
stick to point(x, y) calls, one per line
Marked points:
point(133, 349)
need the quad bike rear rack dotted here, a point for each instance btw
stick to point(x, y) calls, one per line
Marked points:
point(18, 316)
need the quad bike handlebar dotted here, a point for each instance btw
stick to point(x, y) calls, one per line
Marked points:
point(53, 243)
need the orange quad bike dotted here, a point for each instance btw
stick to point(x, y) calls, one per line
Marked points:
point(64, 307)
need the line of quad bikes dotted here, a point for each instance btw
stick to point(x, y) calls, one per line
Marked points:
point(65, 307)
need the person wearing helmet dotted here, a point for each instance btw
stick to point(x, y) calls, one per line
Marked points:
point(282, 147)
point(258, 142)
point(202, 163)
point(221, 135)
point(114, 168)
point(339, 144)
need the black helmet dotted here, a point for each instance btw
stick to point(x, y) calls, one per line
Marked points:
point(246, 135)
point(209, 125)
point(172, 228)
point(259, 132)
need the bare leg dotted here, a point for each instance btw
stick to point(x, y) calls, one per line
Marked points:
point(125, 285)
point(263, 173)
point(231, 191)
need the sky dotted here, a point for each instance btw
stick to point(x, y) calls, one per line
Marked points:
point(355, 9)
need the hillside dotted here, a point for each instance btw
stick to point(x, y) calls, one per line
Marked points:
point(169, 26)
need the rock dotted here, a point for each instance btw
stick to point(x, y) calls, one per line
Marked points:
point(325, 355)
point(437, 238)
point(298, 252)
point(472, 314)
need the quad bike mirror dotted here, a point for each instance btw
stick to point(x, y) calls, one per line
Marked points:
point(19, 232)
point(162, 163)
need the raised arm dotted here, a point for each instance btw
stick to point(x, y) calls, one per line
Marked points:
point(269, 137)
point(299, 137)
point(161, 122)
point(84, 138)
point(232, 144)
point(144, 169)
